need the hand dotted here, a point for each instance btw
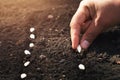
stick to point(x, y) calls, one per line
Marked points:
point(91, 19)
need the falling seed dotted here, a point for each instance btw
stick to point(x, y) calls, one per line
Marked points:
point(27, 52)
point(23, 75)
point(26, 63)
point(32, 36)
point(31, 45)
point(81, 66)
point(79, 48)
point(32, 29)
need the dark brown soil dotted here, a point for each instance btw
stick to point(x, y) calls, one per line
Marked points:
point(52, 57)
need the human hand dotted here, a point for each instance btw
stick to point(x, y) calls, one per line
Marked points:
point(91, 19)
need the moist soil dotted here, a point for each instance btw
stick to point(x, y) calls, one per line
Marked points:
point(52, 57)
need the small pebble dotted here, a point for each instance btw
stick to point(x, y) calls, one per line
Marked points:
point(62, 60)
point(11, 55)
point(27, 52)
point(42, 57)
point(64, 76)
point(50, 16)
point(32, 36)
point(26, 63)
point(79, 48)
point(38, 69)
point(23, 75)
point(53, 8)
point(31, 45)
point(32, 29)
point(81, 66)
point(56, 30)
point(50, 29)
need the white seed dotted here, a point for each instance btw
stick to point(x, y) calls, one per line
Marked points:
point(81, 66)
point(26, 63)
point(27, 52)
point(79, 48)
point(32, 36)
point(32, 29)
point(23, 75)
point(31, 45)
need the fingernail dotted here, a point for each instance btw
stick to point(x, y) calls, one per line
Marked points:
point(85, 44)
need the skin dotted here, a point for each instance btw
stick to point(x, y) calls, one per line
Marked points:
point(91, 19)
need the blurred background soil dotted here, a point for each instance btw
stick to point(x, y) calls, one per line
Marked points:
point(52, 57)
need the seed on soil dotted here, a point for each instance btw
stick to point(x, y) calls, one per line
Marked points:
point(27, 52)
point(23, 75)
point(32, 36)
point(26, 63)
point(32, 29)
point(81, 67)
point(79, 48)
point(31, 45)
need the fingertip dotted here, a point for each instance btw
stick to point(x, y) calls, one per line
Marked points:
point(74, 45)
point(75, 42)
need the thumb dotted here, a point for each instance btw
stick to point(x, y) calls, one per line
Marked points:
point(91, 33)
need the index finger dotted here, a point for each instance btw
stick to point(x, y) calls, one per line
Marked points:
point(75, 24)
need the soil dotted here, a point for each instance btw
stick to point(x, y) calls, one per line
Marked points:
point(52, 57)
